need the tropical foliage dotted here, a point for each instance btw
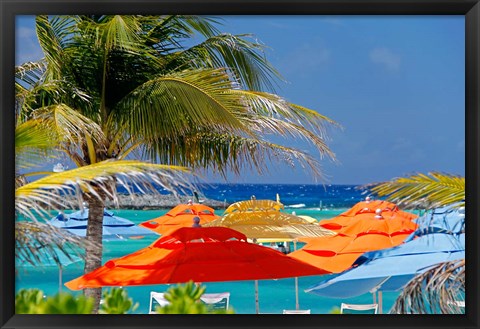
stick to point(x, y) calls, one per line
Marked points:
point(32, 301)
point(424, 190)
point(33, 239)
point(185, 299)
point(34, 143)
point(64, 190)
point(105, 77)
point(116, 301)
point(435, 290)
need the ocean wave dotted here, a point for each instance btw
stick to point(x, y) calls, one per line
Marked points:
point(299, 205)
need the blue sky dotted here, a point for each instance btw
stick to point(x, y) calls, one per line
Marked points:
point(395, 83)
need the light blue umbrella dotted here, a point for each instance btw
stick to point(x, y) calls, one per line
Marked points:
point(114, 227)
point(390, 269)
point(47, 260)
point(445, 219)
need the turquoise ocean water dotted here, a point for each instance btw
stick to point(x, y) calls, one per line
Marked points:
point(274, 295)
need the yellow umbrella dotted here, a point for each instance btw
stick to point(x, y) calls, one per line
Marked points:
point(309, 219)
point(262, 221)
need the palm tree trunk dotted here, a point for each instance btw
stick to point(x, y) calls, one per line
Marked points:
point(94, 250)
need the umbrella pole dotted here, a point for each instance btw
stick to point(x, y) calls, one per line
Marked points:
point(297, 303)
point(257, 306)
point(380, 311)
point(59, 279)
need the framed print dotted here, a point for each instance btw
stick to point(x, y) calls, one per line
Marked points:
point(247, 164)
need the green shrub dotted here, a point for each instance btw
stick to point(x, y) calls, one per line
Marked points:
point(116, 301)
point(28, 300)
point(335, 310)
point(31, 301)
point(64, 303)
point(185, 299)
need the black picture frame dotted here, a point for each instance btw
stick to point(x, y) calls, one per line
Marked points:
point(11, 8)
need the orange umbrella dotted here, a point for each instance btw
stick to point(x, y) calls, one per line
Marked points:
point(180, 216)
point(200, 254)
point(367, 213)
point(338, 253)
point(365, 228)
point(386, 222)
point(370, 206)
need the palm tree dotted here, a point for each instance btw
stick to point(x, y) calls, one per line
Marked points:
point(113, 86)
point(434, 290)
point(34, 142)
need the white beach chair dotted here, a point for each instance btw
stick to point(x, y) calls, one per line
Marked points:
point(296, 311)
point(359, 308)
point(217, 301)
point(157, 299)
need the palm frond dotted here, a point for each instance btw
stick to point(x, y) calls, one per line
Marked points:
point(69, 125)
point(223, 152)
point(120, 32)
point(30, 73)
point(271, 105)
point(54, 36)
point(166, 32)
point(35, 241)
point(205, 25)
point(278, 127)
point(245, 60)
point(50, 93)
point(434, 291)
point(180, 101)
point(431, 190)
point(33, 142)
point(65, 190)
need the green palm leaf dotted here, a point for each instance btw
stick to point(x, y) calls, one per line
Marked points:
point(54, 36)
point(243, 58)
point(116, 32)
point(181, 101)
point(430, 191)
point(165, 32)
point(223, 152)
point(271, 105)
point(33, 142)
point(71, 127)
point(50, 93)
point(64, 190)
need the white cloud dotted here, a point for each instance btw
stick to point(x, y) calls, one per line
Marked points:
point(305, 59)
point(335, 22)
point(386, 57)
